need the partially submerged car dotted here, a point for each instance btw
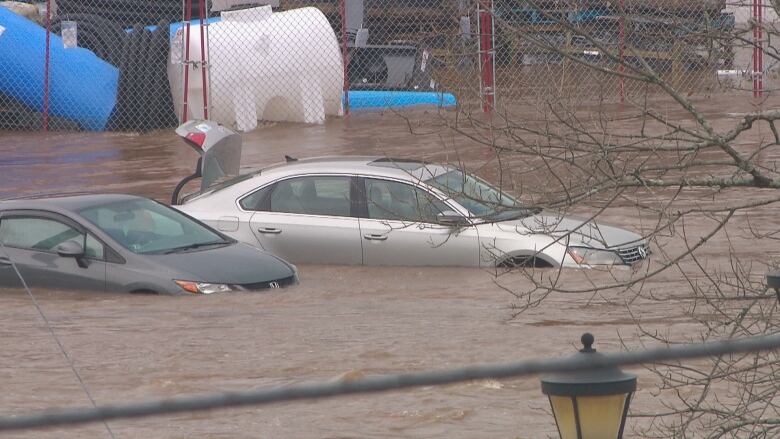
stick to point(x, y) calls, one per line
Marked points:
point(126, 243)
point(382, 211)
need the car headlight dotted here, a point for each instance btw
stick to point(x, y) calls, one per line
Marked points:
point(202, 287)
point(296, 277)
point(594, 256)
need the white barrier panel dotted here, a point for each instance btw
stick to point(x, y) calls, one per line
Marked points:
point(283, 66)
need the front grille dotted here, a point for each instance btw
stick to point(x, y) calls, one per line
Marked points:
point(631, 255)
point(278, 283)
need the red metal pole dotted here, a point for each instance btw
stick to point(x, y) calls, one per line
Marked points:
point(621, 49)
point(754, 15)
point(486, 54)
point(45, 114)
point(758, 55)
point(202, 12)
point(186, 63)
point(760, 48)
point(344, 53)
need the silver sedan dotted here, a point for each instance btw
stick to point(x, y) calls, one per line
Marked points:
point(380, 211)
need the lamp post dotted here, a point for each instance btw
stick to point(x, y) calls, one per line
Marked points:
point(590, 404)
point(773, 281)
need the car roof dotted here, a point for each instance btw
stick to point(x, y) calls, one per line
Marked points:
point(68, 203)
point(370, 165)
point(410, 170)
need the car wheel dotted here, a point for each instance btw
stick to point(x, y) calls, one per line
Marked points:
point(524, 262)
point(144, 292)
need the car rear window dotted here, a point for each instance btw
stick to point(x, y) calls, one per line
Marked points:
point(224, 184)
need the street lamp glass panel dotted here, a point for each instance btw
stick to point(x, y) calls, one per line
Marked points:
point(563, 409)
point(599, 416)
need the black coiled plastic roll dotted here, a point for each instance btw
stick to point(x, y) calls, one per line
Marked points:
point(144, 100)
point(96, 33)
point(130, 12)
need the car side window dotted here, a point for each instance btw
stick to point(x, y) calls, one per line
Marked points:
point(36, 233)
point(257, 200)
point(315, 195)
point(45, 234)
point(392, 200)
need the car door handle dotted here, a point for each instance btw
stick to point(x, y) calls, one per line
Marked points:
point(5, 261)
point(269, 230)
point(373, 237)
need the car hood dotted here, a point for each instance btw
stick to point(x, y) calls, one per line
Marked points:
point(580, 230)
point(235, 264)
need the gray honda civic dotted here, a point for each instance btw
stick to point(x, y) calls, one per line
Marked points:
point(126, 243)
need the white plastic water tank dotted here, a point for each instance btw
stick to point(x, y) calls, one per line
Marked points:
point(283, 66)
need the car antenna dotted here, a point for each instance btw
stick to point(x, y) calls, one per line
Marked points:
point(289, 159)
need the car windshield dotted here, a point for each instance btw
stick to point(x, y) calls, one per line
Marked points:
point(479, 197)
point(144, 226)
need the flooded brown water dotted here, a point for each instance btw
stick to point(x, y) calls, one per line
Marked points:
point(339, 323)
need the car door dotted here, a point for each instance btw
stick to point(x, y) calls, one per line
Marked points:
point(399, 227)
point(30, 241)
point(8, 276)
point(309, 219)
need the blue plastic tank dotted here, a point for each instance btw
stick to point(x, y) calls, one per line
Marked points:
point(82, 87)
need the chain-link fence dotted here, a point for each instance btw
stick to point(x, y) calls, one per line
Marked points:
point(139, 65)
point(618, 48)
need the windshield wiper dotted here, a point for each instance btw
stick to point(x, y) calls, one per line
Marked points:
point(529, 211)
point(194, 246)
point(512, 214)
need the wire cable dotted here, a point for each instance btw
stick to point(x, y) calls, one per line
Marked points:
point(381, 384)
point(51, 331)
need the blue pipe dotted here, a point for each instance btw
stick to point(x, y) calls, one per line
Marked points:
point(396, 99)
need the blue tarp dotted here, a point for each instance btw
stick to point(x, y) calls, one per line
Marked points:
point(82, 87)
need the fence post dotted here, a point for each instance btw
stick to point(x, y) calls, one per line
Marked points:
point(487, 67)
point(621, 49)
point(186, 61)
point(344, 53)
point(203, 59)
point(758, 53)
point(47, 56)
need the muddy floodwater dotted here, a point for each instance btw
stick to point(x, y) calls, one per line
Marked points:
point(341, 322)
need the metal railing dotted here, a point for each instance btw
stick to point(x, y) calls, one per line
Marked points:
point(60, 417)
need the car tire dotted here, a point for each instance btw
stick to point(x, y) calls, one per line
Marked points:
point(144, 292)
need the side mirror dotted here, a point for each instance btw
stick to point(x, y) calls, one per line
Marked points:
point(773, 281)
point(452, 219)
point(70, 249)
